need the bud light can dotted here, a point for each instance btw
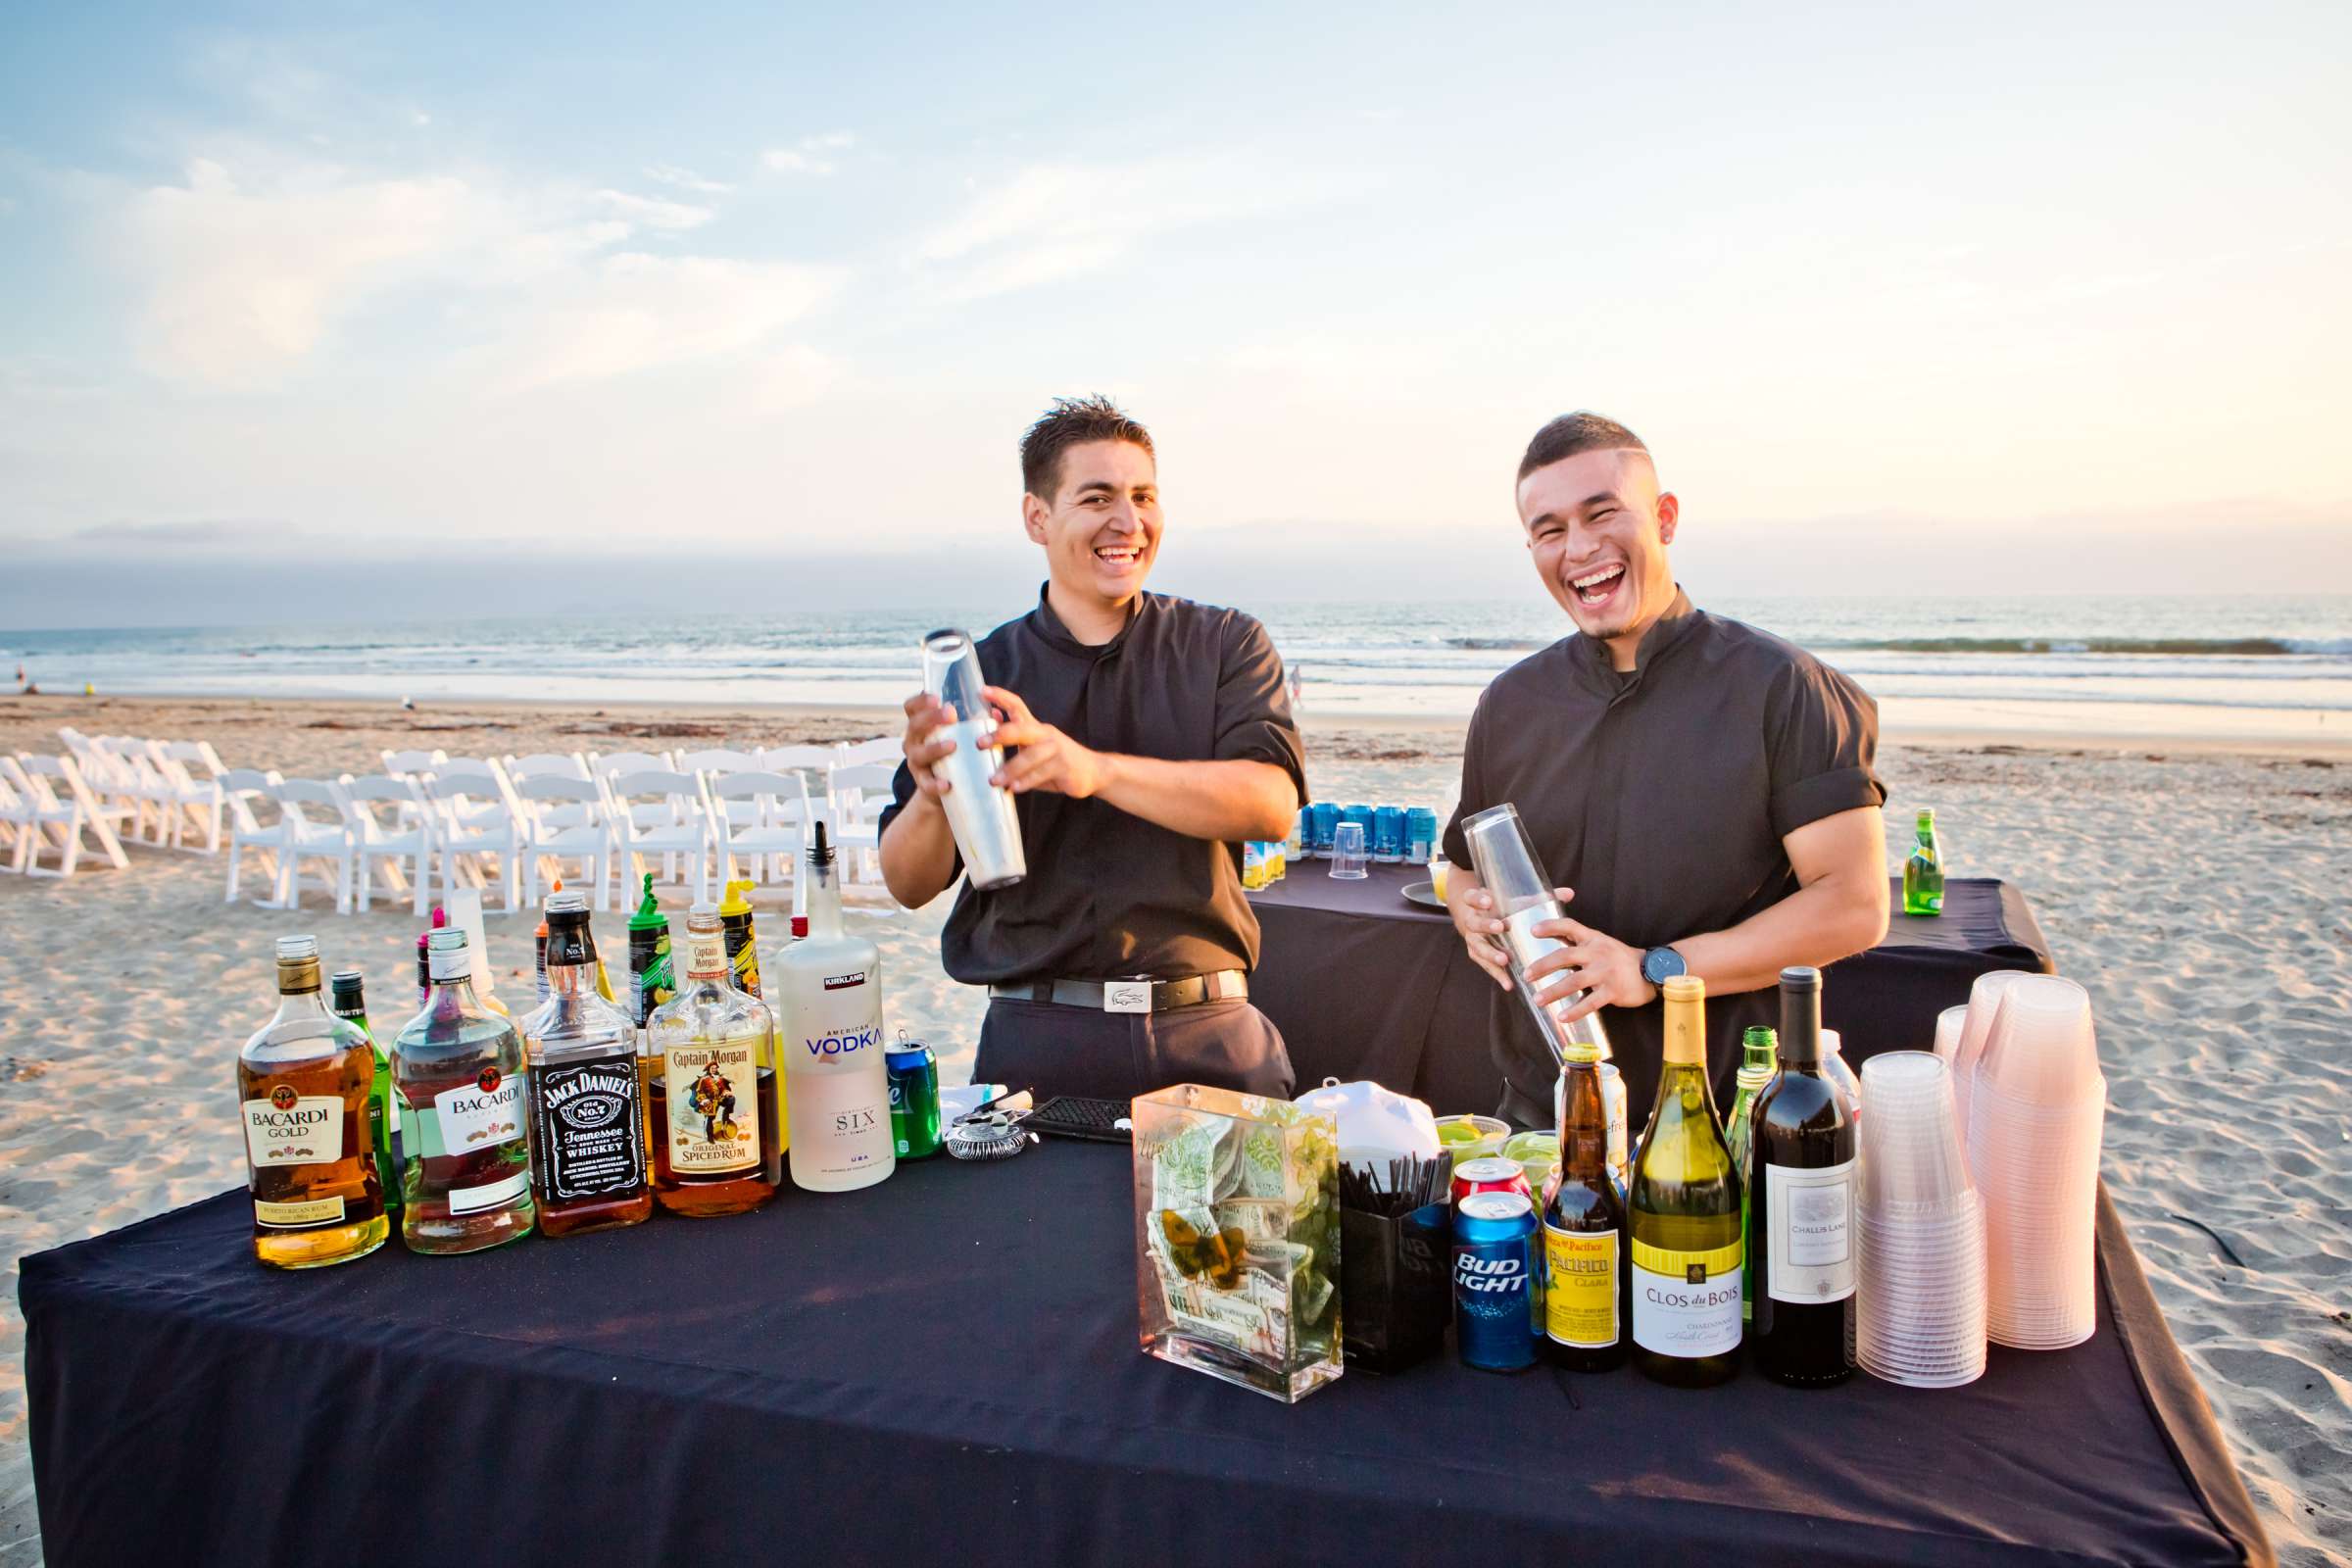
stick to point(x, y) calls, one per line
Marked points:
point(1388, 834)
point(1420, 835)
point(913, 1097)
point(1498, 1315)
point(1327, 827)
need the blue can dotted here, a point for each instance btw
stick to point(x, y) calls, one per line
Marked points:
point(1420, 835)
point(1327, 827)
point(1359, 814)
point(1497, 1310)
point(1388, 833)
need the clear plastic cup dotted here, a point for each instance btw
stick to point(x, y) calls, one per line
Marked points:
point(1984, 999)
point(2041, 1047)
point(1347, 852)
point(1910, 1142)
point(1948, 1024)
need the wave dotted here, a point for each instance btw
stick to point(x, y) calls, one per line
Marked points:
point(2193, 647)
point(1495, 645)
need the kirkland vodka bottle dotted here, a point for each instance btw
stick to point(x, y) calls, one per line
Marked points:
point(837, 1086)
point(457, 1075)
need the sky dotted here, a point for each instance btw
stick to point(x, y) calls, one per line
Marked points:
point(2044, 297)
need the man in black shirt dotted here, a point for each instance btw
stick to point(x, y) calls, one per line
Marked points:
point(1150, 736)
point(1705, 787)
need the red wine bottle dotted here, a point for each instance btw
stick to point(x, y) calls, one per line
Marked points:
point(1801, 1203)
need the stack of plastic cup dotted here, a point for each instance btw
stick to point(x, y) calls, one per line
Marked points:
point(2035, 1118)
point(1919, 1229)
point(1948, 1025)
point(1984, 999)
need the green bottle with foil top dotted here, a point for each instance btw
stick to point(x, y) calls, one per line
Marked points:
point(653, 972)
point(1759, 1058)
point(1923, 870)
point(350, 1003)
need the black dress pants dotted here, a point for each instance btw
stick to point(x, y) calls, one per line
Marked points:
point(1055, 1050)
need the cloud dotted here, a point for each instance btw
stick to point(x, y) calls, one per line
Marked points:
point(7, 205)
point(655, 213)
point(210, 531)
point(811, 155)
point(1054, 220)
point(685, 179)
point(637, 311)
point(248, 269)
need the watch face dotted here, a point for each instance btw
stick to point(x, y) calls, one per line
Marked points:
point(1661, 964)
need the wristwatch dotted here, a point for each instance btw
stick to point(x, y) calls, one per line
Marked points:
point(1661, 964)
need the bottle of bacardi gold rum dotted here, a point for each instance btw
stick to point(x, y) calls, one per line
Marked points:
point(302, 1087)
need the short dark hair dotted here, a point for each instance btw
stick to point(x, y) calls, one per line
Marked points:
point(1574, 434)
point(1069, 423)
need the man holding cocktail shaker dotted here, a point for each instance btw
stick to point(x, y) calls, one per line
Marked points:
point(1148, 738)
point(1706, 789)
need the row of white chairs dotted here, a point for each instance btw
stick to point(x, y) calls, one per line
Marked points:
point(169, 790)
point(431, 821)
point(47, 805)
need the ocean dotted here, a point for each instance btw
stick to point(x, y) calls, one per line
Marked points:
point(2182, 665)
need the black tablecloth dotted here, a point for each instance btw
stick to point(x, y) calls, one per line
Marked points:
point(944, 1366)
point(1364, 985)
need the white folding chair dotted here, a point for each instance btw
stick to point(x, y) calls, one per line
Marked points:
point(547, 764)
point(564, 819)
point(881, 748)
point(660, 811)
point(191, 772)
point(117, 795)
point(407, 835)
point(474, 819)
point(817, 760)
point(318, 827)
point(139, 783)
point(707, 764)
point(69, 807)
point(859, 796)
point(18, 823)
point(761, 817)
point(40, 816)
point(245, 794)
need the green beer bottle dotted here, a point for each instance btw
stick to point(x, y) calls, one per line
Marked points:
point(1759, 1059)
point(1923, 872)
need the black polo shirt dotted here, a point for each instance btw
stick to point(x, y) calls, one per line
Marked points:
point(1109, 896)
point(1661, 796)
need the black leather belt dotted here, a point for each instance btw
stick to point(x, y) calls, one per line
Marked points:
point(1130, 995)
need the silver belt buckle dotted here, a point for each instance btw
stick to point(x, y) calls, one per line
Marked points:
point(1126, 996)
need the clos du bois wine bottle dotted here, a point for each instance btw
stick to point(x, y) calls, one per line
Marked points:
point(1801, 1196)
point(1686, 1214)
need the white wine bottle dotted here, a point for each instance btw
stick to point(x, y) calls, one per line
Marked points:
point(1685, 1205)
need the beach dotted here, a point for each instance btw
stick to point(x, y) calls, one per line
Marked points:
point(2198, 888)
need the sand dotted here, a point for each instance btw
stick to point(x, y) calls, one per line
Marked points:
point(2198, 892)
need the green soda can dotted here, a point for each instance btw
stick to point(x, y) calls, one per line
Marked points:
point(914, 1097)
point(653, 976)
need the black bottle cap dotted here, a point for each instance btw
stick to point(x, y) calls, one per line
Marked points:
point(346, 985)
point(820, 850)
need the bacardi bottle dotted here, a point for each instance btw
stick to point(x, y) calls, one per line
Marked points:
point(459, 1075)
point(303, 1083)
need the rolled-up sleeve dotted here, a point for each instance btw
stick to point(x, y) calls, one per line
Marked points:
point(1254, 707)
point(1823, 736)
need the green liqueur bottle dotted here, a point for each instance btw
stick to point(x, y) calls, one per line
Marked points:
point(1923, 870)
point(1686, 1254)
point(1758, 1059)
point(351, 1006)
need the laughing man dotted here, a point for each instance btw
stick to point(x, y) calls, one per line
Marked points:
point(1150, 737)
point(1704, 789)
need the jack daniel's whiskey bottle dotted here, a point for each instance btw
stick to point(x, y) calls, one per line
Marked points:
point(303, 1086)
point(586, 1095)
